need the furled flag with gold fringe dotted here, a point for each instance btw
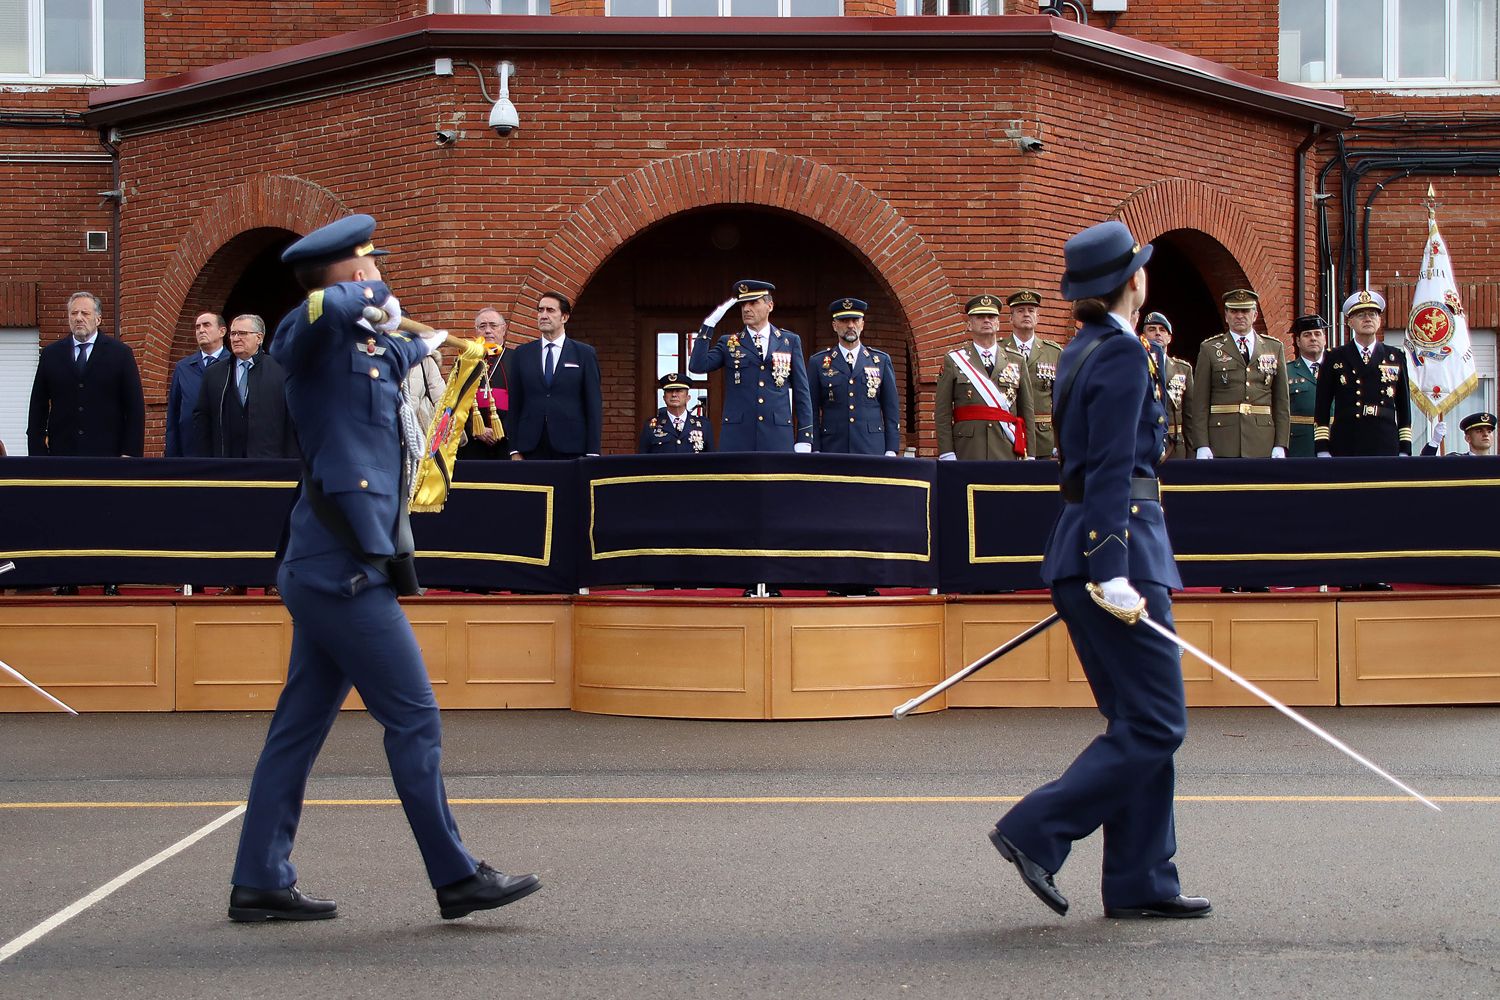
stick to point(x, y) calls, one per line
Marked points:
point(429, 490)
point(1441, 362)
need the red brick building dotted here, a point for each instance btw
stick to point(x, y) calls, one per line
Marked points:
point(660, 158)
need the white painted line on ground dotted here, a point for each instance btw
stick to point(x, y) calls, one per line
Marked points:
point(62, 916)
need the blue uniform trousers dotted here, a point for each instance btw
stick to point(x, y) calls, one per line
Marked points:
point(338, 640)
point(1124, 780)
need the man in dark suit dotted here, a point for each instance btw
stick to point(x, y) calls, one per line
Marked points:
point(1363, 405)
point(241, 408)
point(187, 379)
point(556, 409)
point(87, 399)
point(347, 551)
point(767, 405)
point(675, 431)
point(854, 390)
point(1109, 557)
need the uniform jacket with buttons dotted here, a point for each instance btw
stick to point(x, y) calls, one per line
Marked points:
point(102, 414)
point(855, 409)
point(980, 440)
point(1302, 398)
point(1178, 400)
point(661, 437)
point(1041, 372)
point(1363, 409)
point(343, 394)
point(1222, 379)
point(1113, 428)
point(758, 414)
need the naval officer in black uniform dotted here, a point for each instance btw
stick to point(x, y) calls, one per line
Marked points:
point(1363, 406)
point(1108, 554)
point(854, 389)
point(348, 551)
point(675, 431)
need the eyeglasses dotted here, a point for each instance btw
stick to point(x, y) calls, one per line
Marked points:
point(245, 333)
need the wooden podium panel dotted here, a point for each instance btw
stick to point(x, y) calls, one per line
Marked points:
point(849, 658)
point(101, 656)
point(670, 658)
point(1419, 651)
point(232, 656)
point(1289, 647)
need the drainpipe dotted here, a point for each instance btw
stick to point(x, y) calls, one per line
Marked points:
point(116, 198)
point(1299, 223)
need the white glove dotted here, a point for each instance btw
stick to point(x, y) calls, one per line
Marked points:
point(947, 456)
point(1439, 431)
point(1205, 453)
point(712, 319)
point(890, 454)
point(1278, 452)
point(392, 307)
point(802, 447)
point(1118, 593)
point(1325, 454)
point(433, 340)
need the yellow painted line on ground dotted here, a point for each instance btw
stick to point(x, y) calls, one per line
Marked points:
point(742, 800)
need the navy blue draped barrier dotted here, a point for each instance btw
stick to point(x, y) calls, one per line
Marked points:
point(735, 519)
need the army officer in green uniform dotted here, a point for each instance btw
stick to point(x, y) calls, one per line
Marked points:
point(1239, 406)
point(1038, 359)
point(1310, 339)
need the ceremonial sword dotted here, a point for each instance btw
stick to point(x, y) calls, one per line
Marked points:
point(6, 568)
point(901, 711)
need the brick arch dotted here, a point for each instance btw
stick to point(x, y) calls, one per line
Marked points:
point(872, 228)
point(269, 202)
point(1177, 203)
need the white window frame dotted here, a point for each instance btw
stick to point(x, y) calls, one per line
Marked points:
point(1390, 57)
point(913, 8)
point(36, 37)
point(664, 8)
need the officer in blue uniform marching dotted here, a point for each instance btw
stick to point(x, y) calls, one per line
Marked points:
point(1108, 557)
point(854, 390)
point(347, 555)
point(766, 402)
point(675, 431)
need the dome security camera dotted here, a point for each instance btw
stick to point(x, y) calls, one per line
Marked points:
point(503, 117)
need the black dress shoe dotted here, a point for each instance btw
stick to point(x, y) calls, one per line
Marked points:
point(248, 906)
point(1037, 878)
point(484, 890)
point(1176, 908)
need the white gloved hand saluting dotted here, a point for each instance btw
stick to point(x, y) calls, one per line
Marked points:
point(1205, 453)
point(392, 307)
point(712, 319)
point(1118, 593)
point(1439, 431)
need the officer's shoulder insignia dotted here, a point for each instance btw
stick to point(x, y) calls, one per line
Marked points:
point(314, 305)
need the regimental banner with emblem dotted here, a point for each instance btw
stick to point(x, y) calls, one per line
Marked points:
point(1441, 361)
point(429, 487)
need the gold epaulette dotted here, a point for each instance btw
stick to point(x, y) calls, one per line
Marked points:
point(315, 305)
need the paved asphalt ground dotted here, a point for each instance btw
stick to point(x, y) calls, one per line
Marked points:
point(1324, 885)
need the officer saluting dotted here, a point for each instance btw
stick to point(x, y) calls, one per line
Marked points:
point(765, 376)
point(1478, 431)
point(674, 431)
point(1363, 407)
point(1239, 402)
point(1109, 552)
point(348, 549)
point(854, 390)
point(1038, 357)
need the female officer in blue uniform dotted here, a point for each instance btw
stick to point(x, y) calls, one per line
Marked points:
point(1109, 553)
point(343, 394)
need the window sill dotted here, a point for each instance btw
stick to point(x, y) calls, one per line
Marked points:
point(11, 81)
